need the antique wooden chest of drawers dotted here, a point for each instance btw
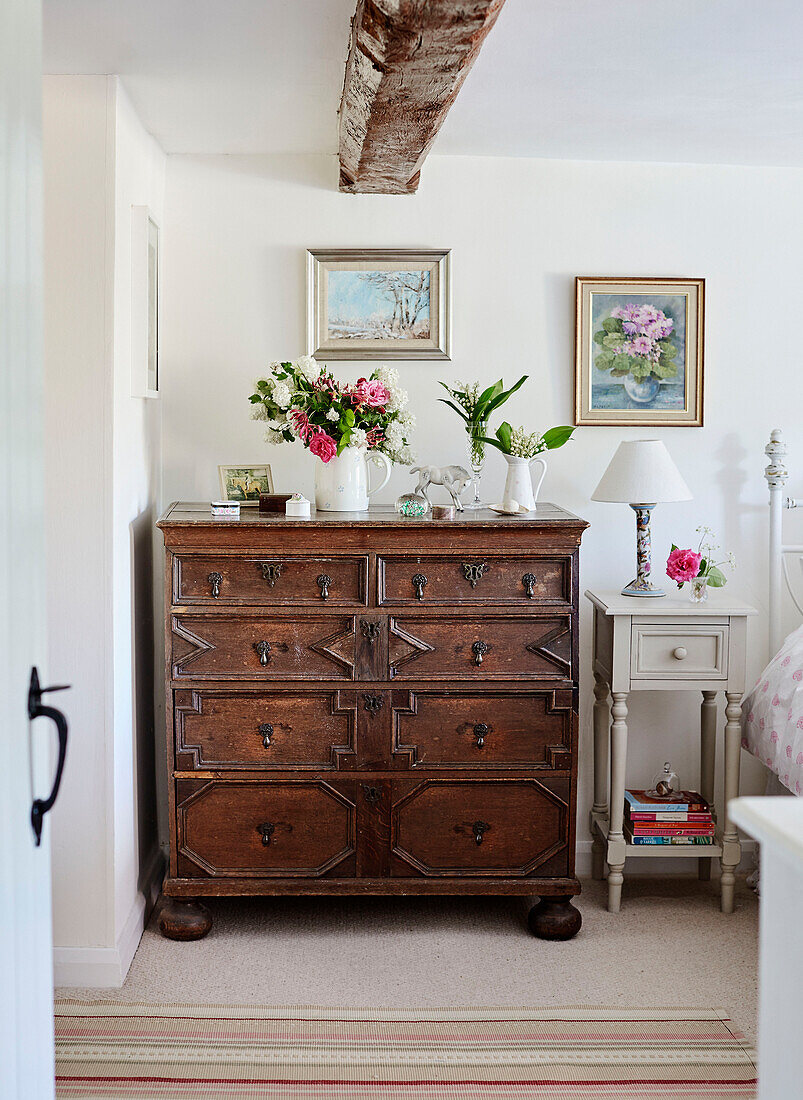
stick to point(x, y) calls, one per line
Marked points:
point(366, 704)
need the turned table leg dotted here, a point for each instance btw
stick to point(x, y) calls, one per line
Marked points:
point(708, 748)
point(184, 919)
point(731, 848)
point(616, 840)
point(555, 918)
point(602, 721)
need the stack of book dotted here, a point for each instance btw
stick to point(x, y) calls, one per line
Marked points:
point(684, 818)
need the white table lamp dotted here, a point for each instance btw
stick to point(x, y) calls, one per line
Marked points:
point(642, 474)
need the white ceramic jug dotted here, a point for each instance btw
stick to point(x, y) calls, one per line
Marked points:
point(519, 481)
point(341, 484)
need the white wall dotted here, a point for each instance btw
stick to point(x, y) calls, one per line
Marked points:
point(102, 461)
point(236, 230)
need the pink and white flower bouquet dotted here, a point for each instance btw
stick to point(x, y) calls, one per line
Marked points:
point(635, 340)
point(690, 565)
point(303, 401)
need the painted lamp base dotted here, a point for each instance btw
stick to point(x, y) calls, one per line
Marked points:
point(642, 585)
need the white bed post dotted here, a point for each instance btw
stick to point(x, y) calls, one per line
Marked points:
point(776, 474)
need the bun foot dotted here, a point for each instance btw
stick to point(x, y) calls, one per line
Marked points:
point(184, 920)
point(555, 918)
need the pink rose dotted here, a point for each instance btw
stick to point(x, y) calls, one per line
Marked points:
point(683, 565)
point(370, 393)
point(323, 446)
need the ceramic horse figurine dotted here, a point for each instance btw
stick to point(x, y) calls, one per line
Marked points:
point(453, 478)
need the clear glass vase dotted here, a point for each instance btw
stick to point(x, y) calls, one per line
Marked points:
point(476, 458)
point(698, 589)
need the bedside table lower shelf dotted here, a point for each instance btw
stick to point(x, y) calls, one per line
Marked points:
point(600, 827)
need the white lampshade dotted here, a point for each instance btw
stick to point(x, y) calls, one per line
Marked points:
point(642, 472)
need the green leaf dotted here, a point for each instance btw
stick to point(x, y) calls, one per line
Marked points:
point(620, 372)
point(492, 443)
point(502, 397)
point(673, 547)
point(451, 404)
point(504, 434)
point(668, 349)
point(344, 441)
point(556, 437)
point(255, 398)
point(603, 364)
point(612, 324)
point(612, 340)
point(703, 565)
point(622, 363)
point(599, 336)
point(349, 417)
point(716, 578)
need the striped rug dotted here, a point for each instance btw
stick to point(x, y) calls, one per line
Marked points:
point(114, 1051)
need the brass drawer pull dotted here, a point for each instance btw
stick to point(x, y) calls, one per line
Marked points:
point(479, 649)
point(370, 629)
point(479, 827)
point(474, 571)
point(324, 583)
point(266, 732)
point(680, 653)
point(271, 571)
point(373, 703)
point(263, 650)
point(215, 580)
point(419, 583)
point(529, 580)
point(266, 831)
point(481, 731)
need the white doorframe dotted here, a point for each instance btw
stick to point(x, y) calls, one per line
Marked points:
point(26, 983)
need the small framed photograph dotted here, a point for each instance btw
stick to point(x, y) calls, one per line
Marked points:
point(245, 483)
point(639, 352)
point(145, 302)
point(378, 304)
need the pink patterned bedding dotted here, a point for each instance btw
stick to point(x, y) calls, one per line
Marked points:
point(772, 714)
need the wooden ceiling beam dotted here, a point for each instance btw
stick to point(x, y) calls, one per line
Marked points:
point(407, 62)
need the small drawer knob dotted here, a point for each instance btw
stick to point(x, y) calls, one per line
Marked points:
point(263, 651)
point(479, 649)
point(266, 831)
point(680, 653)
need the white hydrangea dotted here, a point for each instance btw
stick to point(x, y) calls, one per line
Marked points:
point(333, 414)
point(307, 366)
point(389, 377)
point(407, 422)
point(273, 437)
point(259, 413)
point(282, 395)
point(394, 435)
point(406, 456)
point(358, 437)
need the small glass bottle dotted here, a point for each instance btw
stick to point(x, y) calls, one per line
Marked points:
point(666, 783)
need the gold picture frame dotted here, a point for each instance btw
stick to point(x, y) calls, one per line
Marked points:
point(639, 351)
point(245, 483)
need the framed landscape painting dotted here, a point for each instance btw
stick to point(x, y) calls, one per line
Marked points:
point(378, 304)
point(639, 352)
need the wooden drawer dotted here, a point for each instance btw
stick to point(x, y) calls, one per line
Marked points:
point(266, 729)
point(276, 582)
point(483, 827)
point(233, 647)
point(251, 828)
point(482, 729)
point(491, 647)
point(467, 579)
point(668, 652)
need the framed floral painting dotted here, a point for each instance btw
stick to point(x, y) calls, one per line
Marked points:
point(378, 304)
point(639, 352)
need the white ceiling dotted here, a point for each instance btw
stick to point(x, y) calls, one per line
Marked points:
point(713, 81)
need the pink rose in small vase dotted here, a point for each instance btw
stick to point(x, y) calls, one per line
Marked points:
point(370, 393)
point(323, 446)
point(683, 565)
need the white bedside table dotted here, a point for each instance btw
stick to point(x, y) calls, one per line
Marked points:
point(658, 644)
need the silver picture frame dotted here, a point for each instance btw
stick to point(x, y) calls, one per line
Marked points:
point(407, 291)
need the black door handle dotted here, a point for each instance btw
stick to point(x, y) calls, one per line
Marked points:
point(36, 709)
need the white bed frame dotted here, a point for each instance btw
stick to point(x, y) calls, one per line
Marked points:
point(777, 474)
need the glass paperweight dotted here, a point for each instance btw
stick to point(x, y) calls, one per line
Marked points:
point(666, 783)
point(413, 505)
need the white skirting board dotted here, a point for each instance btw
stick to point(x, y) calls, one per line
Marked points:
point(106, 967)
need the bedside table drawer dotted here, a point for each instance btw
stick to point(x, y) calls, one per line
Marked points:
point(679, 653)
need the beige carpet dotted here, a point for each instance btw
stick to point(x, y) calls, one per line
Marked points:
point(669, 946)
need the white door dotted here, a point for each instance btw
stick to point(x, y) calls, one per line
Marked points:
point(26, 983)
